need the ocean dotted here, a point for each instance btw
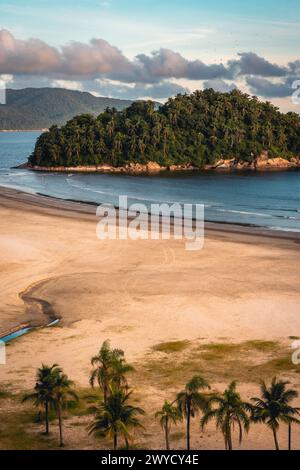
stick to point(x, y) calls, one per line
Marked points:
point(265, 199)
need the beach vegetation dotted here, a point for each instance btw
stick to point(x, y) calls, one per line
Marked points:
point(229, 411)
point(110, 369)
point(191, 400)
point(168, 415)
point(116, 417)
point(273, 407)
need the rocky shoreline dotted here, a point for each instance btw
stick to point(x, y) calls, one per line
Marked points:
point(263, 162)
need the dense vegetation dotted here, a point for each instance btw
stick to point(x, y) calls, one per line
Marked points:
point(189, 129)
point(39, 108)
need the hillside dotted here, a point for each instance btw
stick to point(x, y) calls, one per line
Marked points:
point(197, 129)
point(38, 108)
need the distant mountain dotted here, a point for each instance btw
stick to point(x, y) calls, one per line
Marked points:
point(38, 108)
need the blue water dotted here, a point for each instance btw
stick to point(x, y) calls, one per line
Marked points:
point(268, 199)
point(15, 335)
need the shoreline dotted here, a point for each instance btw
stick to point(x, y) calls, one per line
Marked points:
point(151, 168)
point(77, 208)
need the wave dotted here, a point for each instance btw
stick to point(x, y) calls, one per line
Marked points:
point(24, 189)
point(285, 229)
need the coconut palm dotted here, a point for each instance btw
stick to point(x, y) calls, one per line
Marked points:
point(111, 369)
point(273, 407)
point(167, 415)
point(43, 390)
point(116, 417)
point(62, 394)
point(191, 400)
point(230, 411)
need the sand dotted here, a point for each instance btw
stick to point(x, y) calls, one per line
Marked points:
point(243, 286)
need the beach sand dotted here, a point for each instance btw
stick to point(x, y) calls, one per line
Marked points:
point(230, 311)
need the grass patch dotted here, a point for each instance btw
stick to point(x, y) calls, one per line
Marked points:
point(171, 346)
point(260, 345)
point(16, 433)
point(249, 361)
point(5, 394)
point(87, 400)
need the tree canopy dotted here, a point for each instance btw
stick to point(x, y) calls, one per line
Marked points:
point(195, 129)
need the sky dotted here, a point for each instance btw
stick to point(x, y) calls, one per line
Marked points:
point(152, 48)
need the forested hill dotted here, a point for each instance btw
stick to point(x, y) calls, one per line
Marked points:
point(39, 108)
point(193, 129)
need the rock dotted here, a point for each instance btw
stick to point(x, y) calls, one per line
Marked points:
point(153, 166)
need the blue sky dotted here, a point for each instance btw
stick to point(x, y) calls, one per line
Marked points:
point(271, 27)
point(213, 32)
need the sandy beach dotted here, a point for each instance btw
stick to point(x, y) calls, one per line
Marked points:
point(232, 309)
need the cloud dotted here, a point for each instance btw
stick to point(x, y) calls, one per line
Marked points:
point(251, 64)
point(96, 58)
point(69, 84)
point(268, 89)
point(32, 56)
point(157, 91)
point(166, 63)
point(79, 64)
point(219, 85)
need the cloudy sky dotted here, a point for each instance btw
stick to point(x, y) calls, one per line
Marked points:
point(152, 48)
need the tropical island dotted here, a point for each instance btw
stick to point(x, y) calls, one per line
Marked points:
point(204, 130)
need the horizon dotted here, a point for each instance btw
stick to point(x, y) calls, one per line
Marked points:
point(128, 50)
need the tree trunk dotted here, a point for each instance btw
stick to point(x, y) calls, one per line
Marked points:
point(115, 441)
point(46, 418)
point(60, 424)
point(290, 436)
point(167, 434)
point(275, 438)
point(229, 439)
point(105, 394)
point(188, 426)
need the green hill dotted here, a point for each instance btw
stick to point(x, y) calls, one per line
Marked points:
point(195, 129)
point(38, 108)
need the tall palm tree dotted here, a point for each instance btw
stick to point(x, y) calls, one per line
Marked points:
point(43, 391)
point(116, 417)
point(111, 368)
point(229, 411)
point(62, 393)
point(191, 400)
point(273, 407)
point(167, 415)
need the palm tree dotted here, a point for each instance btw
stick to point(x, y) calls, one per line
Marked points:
point(62, 392)
point(111, 369)
point(191, 400)
point(273, 407)
point(230, 411)
point(167, 415)
point(43, 390)
point(116, 416)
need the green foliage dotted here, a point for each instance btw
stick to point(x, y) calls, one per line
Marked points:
point(116, 417)
point(274, 406)
point(228, 410)
point(193, 129)
point(110, 369)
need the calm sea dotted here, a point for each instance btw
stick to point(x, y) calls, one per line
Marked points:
point(269, 199)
